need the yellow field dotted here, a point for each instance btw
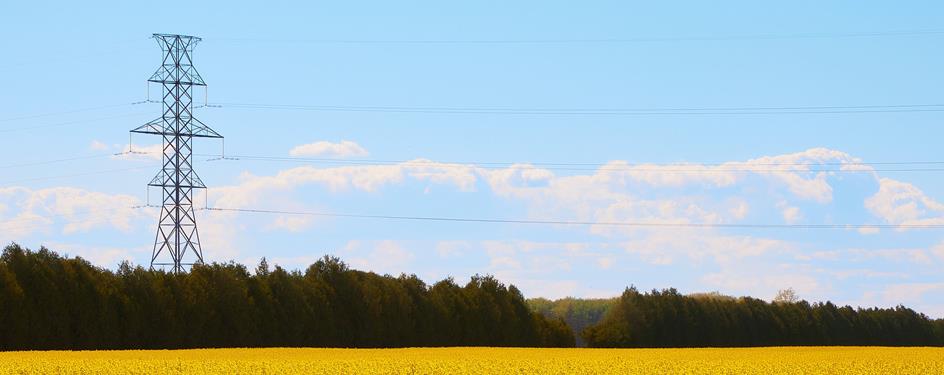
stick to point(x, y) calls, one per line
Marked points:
point(792, 360)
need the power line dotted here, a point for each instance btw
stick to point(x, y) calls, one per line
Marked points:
point(565, 166)
point(559, 41)
point(505, 163)
point(734, 167)
point(33, 127)
point(83, 174)
point(655, 111)
point(583, 223)
point(502, 164)
point(55, 161)
point(87, 53)
point(83, 213)
point(47, 114)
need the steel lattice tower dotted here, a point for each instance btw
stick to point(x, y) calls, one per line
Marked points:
point(177, 229)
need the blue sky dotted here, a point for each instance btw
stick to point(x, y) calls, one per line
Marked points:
point(60, 57)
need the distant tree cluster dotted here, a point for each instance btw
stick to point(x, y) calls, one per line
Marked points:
point(669, 319)
point(576, 312)
point(53, 302)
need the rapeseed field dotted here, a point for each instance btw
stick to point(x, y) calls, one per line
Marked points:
point(783, 360)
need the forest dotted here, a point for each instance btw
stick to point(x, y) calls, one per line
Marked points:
point(52, 302)
point(661, 319)
point(49, 301)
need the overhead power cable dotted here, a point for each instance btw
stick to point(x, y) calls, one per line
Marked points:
point(654, 111)
point(55, 161)
point(83, 174)
point(48, 114)
point(644, 224)
point(676, 167)
point(42, 126)
point(734, 167)
point(506, 163)
point(558, 41)
point(83, 214)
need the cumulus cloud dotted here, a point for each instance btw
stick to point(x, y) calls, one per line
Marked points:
point(343, 149)
point(914, 256)
point(923, 296)
point(765, 282)
point(75, 210)
point(291, 223)
point(386, 256)
point(97, 145)
point(608, 194)
point(106, 256)
point(801, 173)
point(899, 202)
point(791, 214)
point(664, 247)
point(448, 249)
point(612, 192)
point(938, 251)
point(367, 178)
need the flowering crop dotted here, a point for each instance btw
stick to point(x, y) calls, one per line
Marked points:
point(782, 360)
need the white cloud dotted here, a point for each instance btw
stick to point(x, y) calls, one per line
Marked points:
point(866, 273)
point(609, 194)
point(384, 257)
point(902, 203)
point(291, 223)
point(502, 255)
point(909, 293)
point(343, 149)
point(799, 172)
point(924, 297)
point(97, 145)
point(605, 262)
point(369, 178)
point(448, 249)
point(921, 296)
point(223, 232)
point(791, 214)
point(664, 247)
point(896, 255)
point(602, 196)
point(938, 250)
point(75, 210)
point(102, 256)
point(765, 283)
point(738, 208)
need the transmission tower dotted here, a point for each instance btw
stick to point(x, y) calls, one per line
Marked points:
point(177, 228)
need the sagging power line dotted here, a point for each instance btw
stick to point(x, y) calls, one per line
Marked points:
point(697, 168)
point(642, 224)
point(548, 111)
point(654, 111)
point(564, 41)
point(80, 174)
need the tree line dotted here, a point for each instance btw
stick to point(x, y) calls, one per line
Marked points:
point(52, 302)
point(48, 301)
point(669, 319)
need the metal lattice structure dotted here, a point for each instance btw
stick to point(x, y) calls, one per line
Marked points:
point(177, 228)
